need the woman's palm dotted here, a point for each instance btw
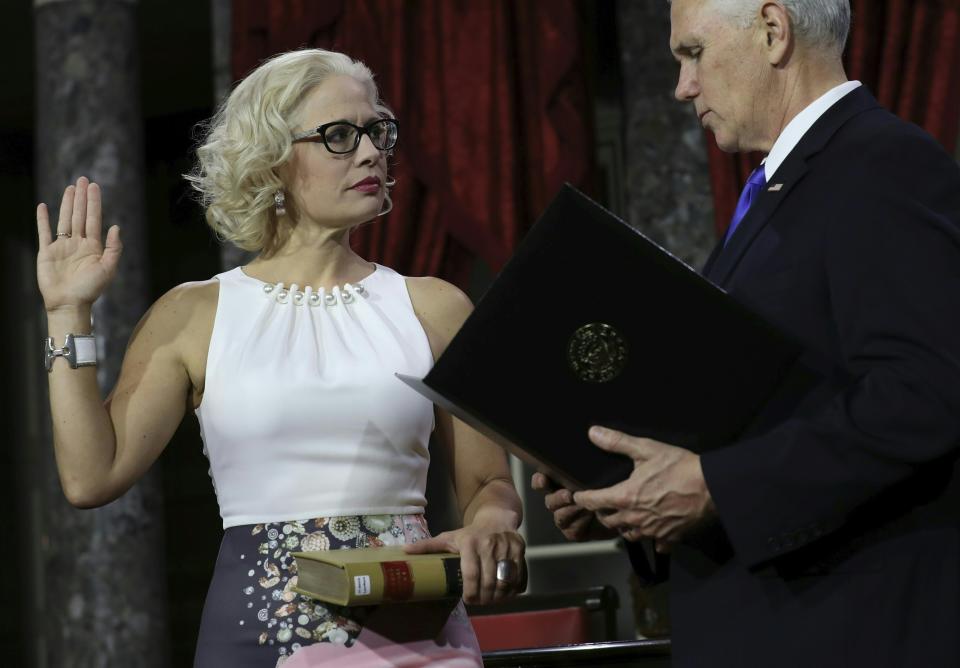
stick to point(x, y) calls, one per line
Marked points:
point(74, 268)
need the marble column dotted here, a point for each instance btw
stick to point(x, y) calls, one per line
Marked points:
point(667, 184)
point(101, 572)
point(222, 15)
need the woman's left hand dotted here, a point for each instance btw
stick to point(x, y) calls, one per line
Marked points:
point(491, 559)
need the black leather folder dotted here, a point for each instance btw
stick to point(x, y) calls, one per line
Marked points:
point(592, 323)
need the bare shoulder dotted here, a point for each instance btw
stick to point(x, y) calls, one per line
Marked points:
point(441, 308)
point(183, 307)
point(180, 323)
point(174, 334)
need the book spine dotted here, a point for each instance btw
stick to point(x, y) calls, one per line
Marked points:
point(399, 581)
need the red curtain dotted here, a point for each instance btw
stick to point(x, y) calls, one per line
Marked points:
point(908, 53)
point(492, 104)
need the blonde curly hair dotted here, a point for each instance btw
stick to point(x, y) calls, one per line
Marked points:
point(251, 135)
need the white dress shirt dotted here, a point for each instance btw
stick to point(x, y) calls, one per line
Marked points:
point(793, 133)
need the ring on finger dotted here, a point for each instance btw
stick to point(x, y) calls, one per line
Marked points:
point(507, 571)
point(64, 234)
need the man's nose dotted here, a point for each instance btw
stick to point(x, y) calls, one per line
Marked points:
point(687, 86)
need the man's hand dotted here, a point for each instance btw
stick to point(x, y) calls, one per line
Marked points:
point(663, 498)
point(575, 523)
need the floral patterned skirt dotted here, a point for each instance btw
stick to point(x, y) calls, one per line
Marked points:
point(253, 618)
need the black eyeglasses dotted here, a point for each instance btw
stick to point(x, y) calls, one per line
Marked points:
point(342, 137)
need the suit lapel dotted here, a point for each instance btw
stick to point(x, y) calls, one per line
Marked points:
point(714, 254)
point(724, 260)
point(788, 175)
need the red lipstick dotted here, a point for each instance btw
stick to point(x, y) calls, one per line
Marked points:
point(371, 184)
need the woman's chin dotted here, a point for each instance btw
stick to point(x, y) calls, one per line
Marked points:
point(345, 222)
point(364, 212)
point(371, 214)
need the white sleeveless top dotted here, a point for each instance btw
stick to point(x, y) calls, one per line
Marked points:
point(302, 415)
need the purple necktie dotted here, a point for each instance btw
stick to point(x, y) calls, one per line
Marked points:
point(756, 182)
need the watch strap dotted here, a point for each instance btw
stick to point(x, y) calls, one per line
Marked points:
point(78, 349)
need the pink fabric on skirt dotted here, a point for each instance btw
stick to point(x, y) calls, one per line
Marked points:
point(454, 647)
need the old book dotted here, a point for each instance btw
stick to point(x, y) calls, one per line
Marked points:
point(369, 576)
point(592, 323)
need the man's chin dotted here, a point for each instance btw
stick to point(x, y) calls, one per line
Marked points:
point(725, 142)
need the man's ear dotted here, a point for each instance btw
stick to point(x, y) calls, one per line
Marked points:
point(778, 33)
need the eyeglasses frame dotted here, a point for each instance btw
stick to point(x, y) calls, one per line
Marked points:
point(321, 132)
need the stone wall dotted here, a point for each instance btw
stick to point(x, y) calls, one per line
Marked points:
point(101, 581)
point(667, 183)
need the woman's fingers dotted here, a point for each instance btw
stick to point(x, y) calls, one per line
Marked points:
point(66, 211)
point(519, 552)
point(43, 226)
point(70, 269)
point(112, 249)
point(79, 218)
point(490, 552)
point(501, 555)
point(470, 570)
point(479, 556)
point(80, 215)
point(516, 572)
point(479, 567)
point(92, 224)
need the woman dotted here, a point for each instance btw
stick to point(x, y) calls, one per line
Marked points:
point(288, 363)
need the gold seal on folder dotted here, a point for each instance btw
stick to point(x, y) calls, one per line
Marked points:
point(597, 353)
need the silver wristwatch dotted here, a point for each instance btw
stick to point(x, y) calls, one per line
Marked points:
point(78, 350)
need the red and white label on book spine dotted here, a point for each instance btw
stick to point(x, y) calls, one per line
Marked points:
point(397, 581)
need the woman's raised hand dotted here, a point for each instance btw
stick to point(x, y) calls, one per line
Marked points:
point(73, 267)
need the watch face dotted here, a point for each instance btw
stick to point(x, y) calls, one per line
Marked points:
point(83, 350)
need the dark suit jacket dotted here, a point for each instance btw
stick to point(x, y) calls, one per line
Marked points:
point(837, 542)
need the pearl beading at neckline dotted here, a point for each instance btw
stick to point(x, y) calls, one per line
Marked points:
point(337, 295)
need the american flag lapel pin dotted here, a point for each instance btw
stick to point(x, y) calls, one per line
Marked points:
point(775, 188)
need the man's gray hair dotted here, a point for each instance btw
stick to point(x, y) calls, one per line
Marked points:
point(824, 23)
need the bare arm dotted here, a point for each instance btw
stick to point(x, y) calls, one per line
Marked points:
point(481, 475)
point(486, 496)
point(103, 448)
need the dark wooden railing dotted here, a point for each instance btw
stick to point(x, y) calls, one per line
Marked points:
point(634, 653)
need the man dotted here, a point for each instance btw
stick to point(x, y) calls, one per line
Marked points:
point(827, 535)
